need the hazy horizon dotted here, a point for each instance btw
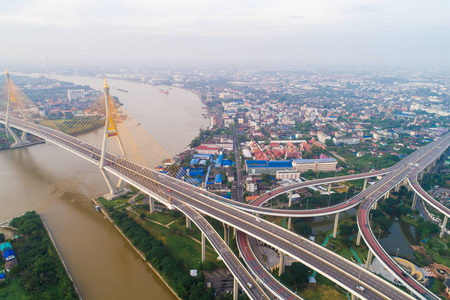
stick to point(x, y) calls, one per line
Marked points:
point(311, 33)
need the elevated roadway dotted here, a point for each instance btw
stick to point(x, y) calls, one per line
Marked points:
point(360, 282)
point(422, 157)
point(347, 274)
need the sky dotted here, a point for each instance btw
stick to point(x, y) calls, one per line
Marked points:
point(301, 32)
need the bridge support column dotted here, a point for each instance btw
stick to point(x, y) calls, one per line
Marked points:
point(289, 205)
point(329, 189)
point(235, 289)
point(444, 225)
point(388, 193)
point(24, 137)
point(151, 203)
point(414, 202)
point(226, 234)
point(365, 184)
point(281, 264)
point(354, 297)
point(375, 205)
point(336, 222)
point(188, 223)
point(420, 175)
point(112, 188)
point(203, 248)
point(369, 259)
point(397, 187)
point(358, 238)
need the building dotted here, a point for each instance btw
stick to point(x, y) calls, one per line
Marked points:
point(252, 187)
point(75, 94)
point(447, 287)
point(322, 137)
point(288, 174)
point(347, 141)
point(316, 165)
point(267, 166)
point(202, 149)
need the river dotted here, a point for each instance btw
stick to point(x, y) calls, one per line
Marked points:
point(59, 185)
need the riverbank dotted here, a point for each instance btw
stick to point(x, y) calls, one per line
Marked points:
point(39, 271)
point(104, 211)
point(60, 257)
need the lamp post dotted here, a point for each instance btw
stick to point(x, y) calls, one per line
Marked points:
point(307, 201)
point(398, 249)
point(379, 233)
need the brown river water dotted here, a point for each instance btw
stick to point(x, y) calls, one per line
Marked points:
point(59, 185)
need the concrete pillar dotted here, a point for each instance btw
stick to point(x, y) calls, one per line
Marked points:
point(413, 206)
point(405, 181)
point(226, 234)
point(397, 187)
point(234, 231)
point(365, 184)
point(329, 189)
point(375, 205)
point(151, 203)
point(281, 264)
point(369, 259)
point(336, 221)
point(420, 176)
point(188, 222)
point(24, 136)
point(444, 225)
point(290, 199)
point(354, 297)
point(358, 238)
point(235, 289)
point(289, 223)
point(203, 248)
point(388, 193)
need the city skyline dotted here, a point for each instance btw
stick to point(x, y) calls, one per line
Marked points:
point(312, 33)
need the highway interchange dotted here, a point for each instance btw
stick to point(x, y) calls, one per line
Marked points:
point(343, 272)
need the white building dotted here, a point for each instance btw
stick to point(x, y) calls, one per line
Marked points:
point(288, 174)
point(75, 94)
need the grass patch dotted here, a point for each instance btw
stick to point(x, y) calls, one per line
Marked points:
point(322, 292)
point(11, 289)
point(438, 287)
point(160, 217)
point(179, 244)
point(113, 204)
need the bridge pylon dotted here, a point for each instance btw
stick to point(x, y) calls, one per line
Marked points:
point(11, 98)
point(110, 130)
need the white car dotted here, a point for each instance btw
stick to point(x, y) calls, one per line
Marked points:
point(258, 220)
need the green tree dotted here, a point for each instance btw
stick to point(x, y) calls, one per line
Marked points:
point(303, 228)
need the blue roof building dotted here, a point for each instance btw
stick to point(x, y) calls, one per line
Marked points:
point(267, 166)
point(9, 254)
point(218, 179)
point(227, 162)
point(219, 161)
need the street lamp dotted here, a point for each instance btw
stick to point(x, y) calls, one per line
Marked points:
point(307, 201)
point(398, 249)
point(329, 200)
point(379, 233)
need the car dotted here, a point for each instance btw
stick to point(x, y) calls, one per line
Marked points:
point(168, 190)
point(107, 163)
point(404, 273)
point(367, 225)
point(361, 288)
point(249, 285)
point(258, 220)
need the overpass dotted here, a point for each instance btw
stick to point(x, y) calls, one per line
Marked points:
point(331, 265)
point(178, 194)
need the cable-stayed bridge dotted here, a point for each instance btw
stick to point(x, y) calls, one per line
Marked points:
point(107, 136)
